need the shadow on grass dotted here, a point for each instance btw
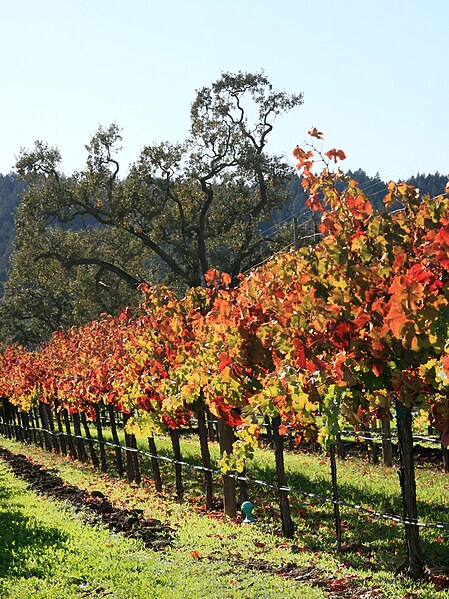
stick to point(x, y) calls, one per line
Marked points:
point(17, 533)
point(370, 543)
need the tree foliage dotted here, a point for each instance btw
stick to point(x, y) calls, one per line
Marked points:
point(194, 205)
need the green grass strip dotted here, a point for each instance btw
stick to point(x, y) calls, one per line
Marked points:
point(47, 550)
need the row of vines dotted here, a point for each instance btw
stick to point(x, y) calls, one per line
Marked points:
point(341, 333)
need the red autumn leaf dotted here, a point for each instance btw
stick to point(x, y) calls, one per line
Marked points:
point(336, 155)
point(359, 205)
point(314, 203)
point(225, 360)
point(195, 554)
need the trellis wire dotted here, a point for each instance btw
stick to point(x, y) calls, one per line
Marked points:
point(292, 490)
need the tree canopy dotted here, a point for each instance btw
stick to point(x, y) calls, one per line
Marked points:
point(86, 241)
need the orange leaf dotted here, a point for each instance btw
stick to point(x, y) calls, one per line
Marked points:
point(225, 279)
point(336, 155)
point(315, 133)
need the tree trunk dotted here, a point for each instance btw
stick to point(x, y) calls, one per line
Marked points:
point(288, 528)
point(155, 464)
point(205, 455)
point(226, 439)
point(387, 446)
point(414, 566)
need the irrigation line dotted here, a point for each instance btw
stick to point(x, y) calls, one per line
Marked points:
point(293, 490)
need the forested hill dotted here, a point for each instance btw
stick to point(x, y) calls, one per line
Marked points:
point(375, 188)
point(10, 189)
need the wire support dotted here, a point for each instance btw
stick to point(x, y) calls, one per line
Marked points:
point(238, 477)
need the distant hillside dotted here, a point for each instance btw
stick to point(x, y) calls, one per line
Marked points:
point(10, 189)
point(374, 187)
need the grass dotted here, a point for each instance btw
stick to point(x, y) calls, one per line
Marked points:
point(205, 557)
point(47, 550)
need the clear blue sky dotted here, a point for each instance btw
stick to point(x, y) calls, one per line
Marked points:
point(374, 74)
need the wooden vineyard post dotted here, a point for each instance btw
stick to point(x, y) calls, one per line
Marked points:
point(387, 446)
point(4, 416)
point(226, 439)
point(205, 454)
point(51, 427)
point(243, 488)
point(269, 430)
point(38, 425)
point(335, 497)
point(414, 566)
point(288, 528)
point(371, 448)
point(17, 427)
point(70, 443)
point(90, 442)
point(81, 451)
point(445, 455)
point(118, 451)
point(26, 426)
point(340, 447)
point(33, 427)
point(211, 426)
point(104, 465)
point(155, 464)
point(132, 457)
point(60, 429)
point(174, 436)
point(44, 421)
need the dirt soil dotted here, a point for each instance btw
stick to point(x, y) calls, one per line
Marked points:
point(131, 523)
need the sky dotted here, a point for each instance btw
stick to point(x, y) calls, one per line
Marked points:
point(374, 74)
